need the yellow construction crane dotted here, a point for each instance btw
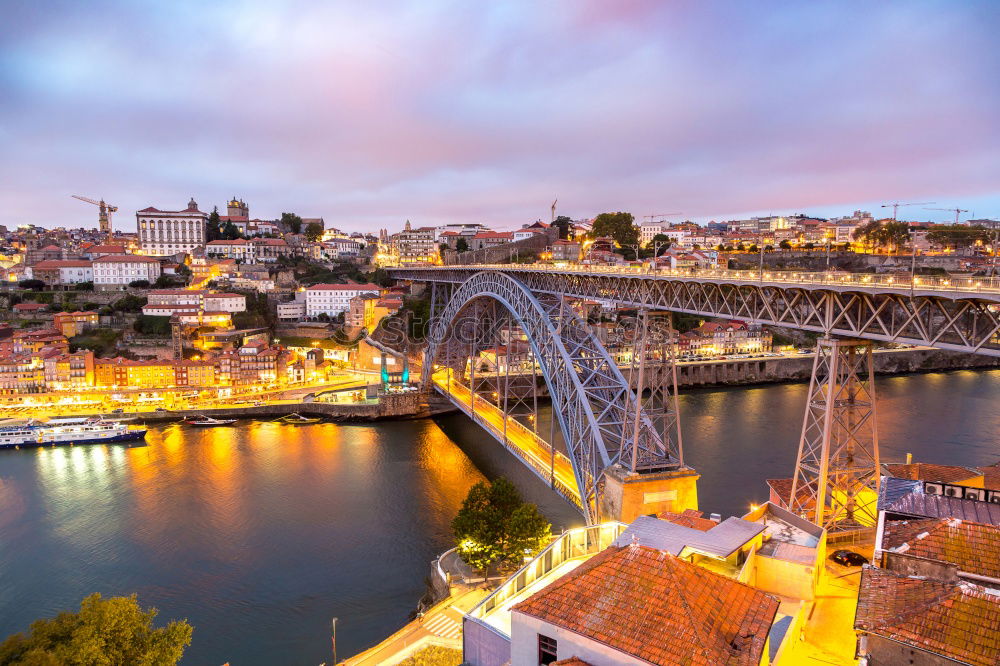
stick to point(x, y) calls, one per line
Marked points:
point(956, 211)
point(104, 216)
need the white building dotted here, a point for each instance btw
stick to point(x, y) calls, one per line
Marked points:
point(332, 299)
point(292, 311)
point(166, 232)
point(63, 271)
point(116, 270)
point(182, 300)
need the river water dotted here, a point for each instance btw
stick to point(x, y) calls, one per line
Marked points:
point(259, 534)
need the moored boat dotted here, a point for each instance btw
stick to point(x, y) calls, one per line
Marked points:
point(298, 419)
point(208, 422)
point(17, 433)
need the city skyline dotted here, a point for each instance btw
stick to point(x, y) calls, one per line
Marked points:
point(439, 114)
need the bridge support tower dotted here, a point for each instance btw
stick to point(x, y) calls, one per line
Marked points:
point(837, 472)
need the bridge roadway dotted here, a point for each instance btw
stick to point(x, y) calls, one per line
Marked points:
point(961, 314)
point(534, 451)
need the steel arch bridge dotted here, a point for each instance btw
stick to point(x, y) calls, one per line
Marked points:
point(598, 404)
point(955, 314)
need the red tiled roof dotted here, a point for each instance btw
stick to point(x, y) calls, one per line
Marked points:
point(689, 615)
point(928, 472)
point(958, 621)
point(235, 241)
point(51, 248)
point(494, 234)
point(973, 547)
point(126, 258)
point(783, 489)
point(991, 476)
point(107, 249)
point(61, 263)
point(30, 306)
point(690, 518)
point(572, 661)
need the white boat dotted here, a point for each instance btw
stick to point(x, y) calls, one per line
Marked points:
point(17, 433)
point(208, 422)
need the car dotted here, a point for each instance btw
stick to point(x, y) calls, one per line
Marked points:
point(848, 558)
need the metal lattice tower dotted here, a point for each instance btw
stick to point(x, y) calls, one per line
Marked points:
point(837, 470)
point(653, 373)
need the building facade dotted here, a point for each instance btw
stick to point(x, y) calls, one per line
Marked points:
point(167, 232)
point(117, 270)
point(332, 299)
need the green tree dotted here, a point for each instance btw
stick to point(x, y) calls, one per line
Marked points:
point(152, 325)
point(129, 303)
point(495, 526)
point(34, 285)
point(564, 224)
point(213, 226)
point(105, 632)
point(314, 231)
point(229, 231)
point(461, 245)
point(292, 222)
point(785, 245)
point(139, 284)
point(618, 226)
point(662, 241)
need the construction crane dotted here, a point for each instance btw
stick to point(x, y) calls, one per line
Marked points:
point(554, 209)
point(895, 206)
point(654, 216)
point(956, 211)
point(104, 216)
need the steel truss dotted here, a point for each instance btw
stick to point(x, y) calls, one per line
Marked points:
point(958, 322)
point(837, 469)
point(653, 373)
point(591, 399)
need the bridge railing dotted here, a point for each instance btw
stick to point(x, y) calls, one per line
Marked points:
point(897, 281)
point(545, 473)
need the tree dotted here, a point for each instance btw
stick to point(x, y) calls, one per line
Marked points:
point(292, 222)
point(212, 227)
point(106, 632)
point(139, 284)
point(434, 655)
point(229, 231)
point(785, 245)
point(618, 226)
point(564, 224)
point(662, 241)
point(152, 325)
point(34, 285)
point(129, 303)
point(496, 527)
point(84, 286)
point(461, 245)
point(314, 231)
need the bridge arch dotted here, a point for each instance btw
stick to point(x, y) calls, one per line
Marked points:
point(595, 401)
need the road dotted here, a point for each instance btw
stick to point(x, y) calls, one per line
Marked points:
point(536, 450)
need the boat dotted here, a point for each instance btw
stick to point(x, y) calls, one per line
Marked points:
point(17, 433)
point(208, 422)
point(298, 419)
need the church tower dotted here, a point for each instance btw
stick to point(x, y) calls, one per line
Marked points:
point(237, 207)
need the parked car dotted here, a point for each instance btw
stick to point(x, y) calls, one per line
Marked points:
point(848, 558)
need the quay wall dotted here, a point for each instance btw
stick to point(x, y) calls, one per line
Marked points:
point(395, 406)
point(739, 372)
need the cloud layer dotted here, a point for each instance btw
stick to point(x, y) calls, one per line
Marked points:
point(371, 113)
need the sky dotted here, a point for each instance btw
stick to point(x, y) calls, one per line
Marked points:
point(371, 113)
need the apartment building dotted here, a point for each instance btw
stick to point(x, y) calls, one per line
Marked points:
point(167, 232)
point(332, 299)
point(117, 270)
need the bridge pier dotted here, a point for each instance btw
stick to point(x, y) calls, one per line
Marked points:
point(628, 495)
point(837, 471)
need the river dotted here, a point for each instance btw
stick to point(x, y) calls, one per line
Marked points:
point(260, 533)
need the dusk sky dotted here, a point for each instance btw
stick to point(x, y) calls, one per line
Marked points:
point(371, 113)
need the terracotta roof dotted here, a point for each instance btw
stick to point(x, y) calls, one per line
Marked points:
point(959, 621)
point(494, 234)
point(690, 615)
point(30, 306)
point(235, 241)
point(61, 263)
point(783, 489)
point(572, 661)
point(929, 472)
point(51, 248)
point(973, 547)
point(107, 249)
point(126, 258)
point(690, 518)
point(991, 476)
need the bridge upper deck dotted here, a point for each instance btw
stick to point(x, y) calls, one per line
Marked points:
point(957, 313)
point(950, 287)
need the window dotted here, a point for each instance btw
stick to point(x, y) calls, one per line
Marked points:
point(546, 650)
